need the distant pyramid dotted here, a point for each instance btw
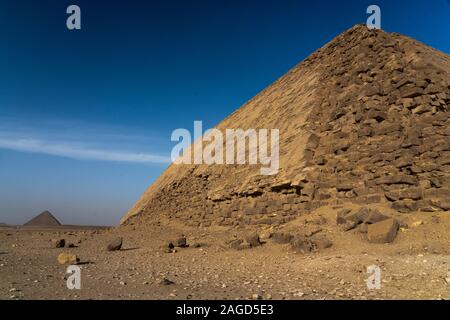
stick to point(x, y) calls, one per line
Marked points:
point(44, 219)
point(365, 120)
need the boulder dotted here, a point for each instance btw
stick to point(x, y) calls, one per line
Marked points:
point(383, 232)
point(180, 242)
point(402, 194)
point(349, 225)
point(58, 243)
point(68, 258)
point(359, 216)
point(235, 243)
point(374, 217)
point(405, 206)
point(282, 238)
point(302, 244)
point(443, 204)
point(341, 216)
point(253, 240)
point(166, 282)
point(115, 245)
point(321, 242)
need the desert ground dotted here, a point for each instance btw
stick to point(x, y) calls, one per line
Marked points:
point(415, 266)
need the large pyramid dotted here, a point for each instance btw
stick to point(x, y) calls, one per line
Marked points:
point(365, 119)
point(44, 219)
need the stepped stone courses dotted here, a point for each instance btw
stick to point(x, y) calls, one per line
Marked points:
point(365, 119)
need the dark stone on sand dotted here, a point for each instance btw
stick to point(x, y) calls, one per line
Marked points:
point(115, 245)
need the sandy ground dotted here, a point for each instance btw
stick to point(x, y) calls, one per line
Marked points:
point(415, 266)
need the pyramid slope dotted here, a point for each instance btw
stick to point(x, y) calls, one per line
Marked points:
point(365, 119)
point(43, 219)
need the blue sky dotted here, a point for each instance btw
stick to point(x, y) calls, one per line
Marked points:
point(86, 116)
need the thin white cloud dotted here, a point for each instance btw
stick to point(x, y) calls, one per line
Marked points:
point(69, 150)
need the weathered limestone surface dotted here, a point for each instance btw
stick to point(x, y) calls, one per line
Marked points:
point(365, 119)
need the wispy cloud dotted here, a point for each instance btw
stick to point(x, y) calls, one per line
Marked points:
point(74, 151)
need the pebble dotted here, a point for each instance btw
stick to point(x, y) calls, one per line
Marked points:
point(166, 282)
point(256, 296)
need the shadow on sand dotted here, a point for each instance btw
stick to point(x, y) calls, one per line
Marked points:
point(129, 249)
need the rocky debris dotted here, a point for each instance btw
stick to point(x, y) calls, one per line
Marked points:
point(341, 216)
point(443, 204)
point(359, 219)
point(58, 243)
point(68, 258)
point(250, 241)
point(349, 225)
point(253, 240)
point(235, 243)
point(282, 238)
point(70, 245)
point(166, 282)
point(180, 242)
point(303, 244)
point(115, 245)
point(197, 245)
point(383, 232)
point(321, 242)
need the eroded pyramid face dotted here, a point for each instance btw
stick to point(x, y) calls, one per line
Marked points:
point(365, 119)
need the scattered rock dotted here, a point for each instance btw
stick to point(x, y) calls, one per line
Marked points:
point(383, 232)
point(180, 242)
point(253, 240)
point(68, 258)
point(256, 296)
point(244, 245)
point(301, 244)
point(235, 243)
point(349, 225)
point(282, 238)
point(166, 282)
point(375, 216)
point(340, 218)
point(115, 245)
point(359, 216)
point(321, 242)
point(363, 228)
point(58, 243)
